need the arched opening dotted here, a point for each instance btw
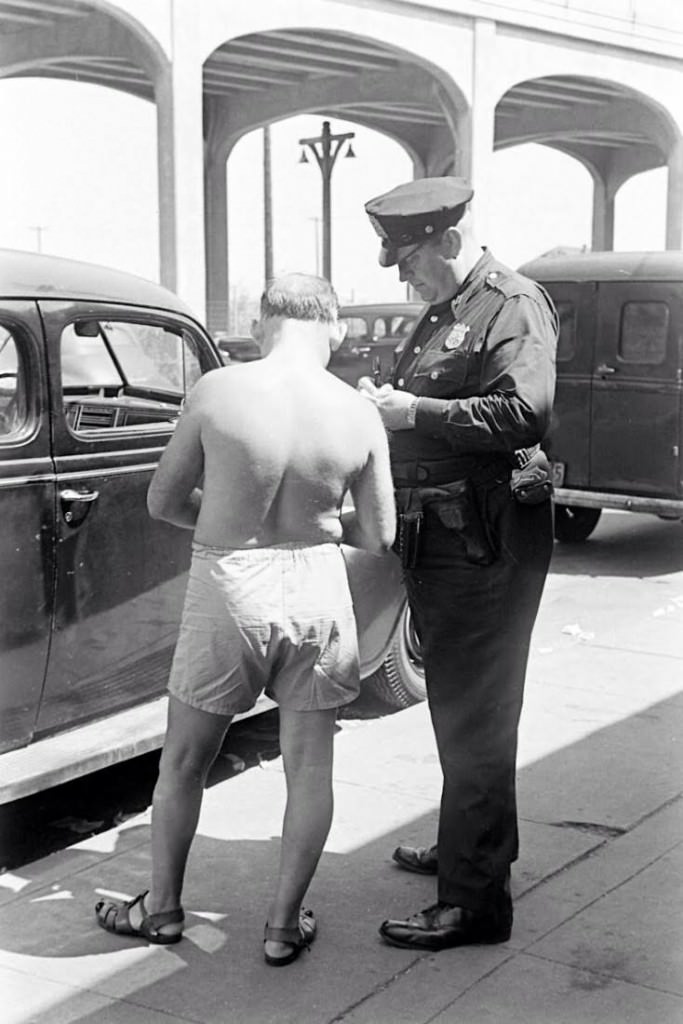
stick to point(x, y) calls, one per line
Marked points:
point(614, 131)
point(79, 178)
point(378, 165)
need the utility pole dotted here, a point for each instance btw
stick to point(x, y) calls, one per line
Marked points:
point(39, 228)
point(326, 148)
point(267, 205)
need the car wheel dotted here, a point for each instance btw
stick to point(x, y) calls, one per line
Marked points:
point(574, 524)
point(400, 679)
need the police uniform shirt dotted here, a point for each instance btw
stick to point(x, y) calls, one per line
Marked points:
point(483, 365)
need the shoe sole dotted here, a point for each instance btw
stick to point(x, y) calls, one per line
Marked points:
point(464, 941)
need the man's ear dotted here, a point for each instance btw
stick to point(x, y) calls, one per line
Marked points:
point(337, 334)
point(257, 331)
point(451, 242)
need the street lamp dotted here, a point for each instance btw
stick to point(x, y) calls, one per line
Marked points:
point(326, 149)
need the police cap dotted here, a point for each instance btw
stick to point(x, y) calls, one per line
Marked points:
point(410, 213)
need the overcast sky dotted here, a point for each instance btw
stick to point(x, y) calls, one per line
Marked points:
point(78, 176)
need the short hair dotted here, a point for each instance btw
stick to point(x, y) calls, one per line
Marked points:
point(300, 297)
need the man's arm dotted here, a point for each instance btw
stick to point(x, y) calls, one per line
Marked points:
point(372, 523)
point(174, 494)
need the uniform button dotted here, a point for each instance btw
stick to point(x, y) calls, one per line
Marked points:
point(400, 382)
point(434, 374)
point(417, 349)
point(433, 318)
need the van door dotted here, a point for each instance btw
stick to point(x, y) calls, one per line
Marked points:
point(569, 438)
point(118, 380)
point(27, 501)
point(635, 433)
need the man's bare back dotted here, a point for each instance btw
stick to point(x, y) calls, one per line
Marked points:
point(278, 442)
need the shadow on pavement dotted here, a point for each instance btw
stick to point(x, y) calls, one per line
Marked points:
point(567, 810)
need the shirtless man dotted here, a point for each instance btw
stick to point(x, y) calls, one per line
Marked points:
point(275, 445)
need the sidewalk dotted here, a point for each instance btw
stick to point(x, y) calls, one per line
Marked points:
point(598, 931)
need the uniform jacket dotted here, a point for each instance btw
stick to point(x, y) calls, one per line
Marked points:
point(483, 365)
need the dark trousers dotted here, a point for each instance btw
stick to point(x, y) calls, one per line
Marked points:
point(474, 624)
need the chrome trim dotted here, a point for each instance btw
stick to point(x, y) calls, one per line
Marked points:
point(139, 467)
point(20, 481)
point(626, 502)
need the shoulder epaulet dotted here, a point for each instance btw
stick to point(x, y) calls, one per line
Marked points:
point(510, 283)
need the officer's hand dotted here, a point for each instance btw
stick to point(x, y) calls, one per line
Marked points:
point(393, 407)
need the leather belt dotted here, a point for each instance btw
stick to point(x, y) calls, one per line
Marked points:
point(442, 471)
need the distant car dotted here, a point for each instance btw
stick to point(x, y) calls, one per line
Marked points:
point(375, 332)
point(237, 348)
point(94, 368)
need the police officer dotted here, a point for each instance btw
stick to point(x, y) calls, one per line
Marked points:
point(472, 387)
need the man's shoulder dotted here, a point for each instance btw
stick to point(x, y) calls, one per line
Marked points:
point(509, 283)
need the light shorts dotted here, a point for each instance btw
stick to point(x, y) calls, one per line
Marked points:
point(277, 618)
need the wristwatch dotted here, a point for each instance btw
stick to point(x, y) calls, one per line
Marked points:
point(412, 412)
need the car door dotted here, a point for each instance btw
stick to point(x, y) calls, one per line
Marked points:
point(119, 376)
point(635, 434)
point(569, 438)
point(27, 500)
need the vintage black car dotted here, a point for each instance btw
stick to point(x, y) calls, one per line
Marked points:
point(618, 415)
point(375, 334)
point(94, 368)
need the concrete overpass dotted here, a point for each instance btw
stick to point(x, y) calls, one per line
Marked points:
point(450, 80)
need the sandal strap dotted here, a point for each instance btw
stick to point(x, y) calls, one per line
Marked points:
point(300, 935)
point(294, 936)
point(152, 922)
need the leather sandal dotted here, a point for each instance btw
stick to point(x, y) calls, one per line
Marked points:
point(421, 859)
point(300, 937)
point(114, 917)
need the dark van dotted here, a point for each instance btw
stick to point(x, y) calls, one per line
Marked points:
point(616, 435)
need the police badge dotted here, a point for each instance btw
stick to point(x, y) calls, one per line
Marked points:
point(456, 335)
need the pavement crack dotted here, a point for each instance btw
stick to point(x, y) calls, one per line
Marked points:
point(379, 988)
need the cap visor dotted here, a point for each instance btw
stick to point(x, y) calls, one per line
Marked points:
point(387, 256)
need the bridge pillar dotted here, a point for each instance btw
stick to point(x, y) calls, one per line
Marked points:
point(180, 145)
point(475, 158)
point(216, 231)
point(674, 198)
point(603, 215)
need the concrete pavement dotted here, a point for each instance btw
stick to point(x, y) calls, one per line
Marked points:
point(598, 927)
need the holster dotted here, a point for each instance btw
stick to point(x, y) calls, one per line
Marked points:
point(457, 506)
point(531, 482)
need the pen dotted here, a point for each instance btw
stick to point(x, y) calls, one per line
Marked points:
point(377, 372)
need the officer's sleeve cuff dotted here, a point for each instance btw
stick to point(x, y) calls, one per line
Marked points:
point(429, 415)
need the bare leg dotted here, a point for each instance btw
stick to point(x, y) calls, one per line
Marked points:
point(193, 739)
point(306, 742)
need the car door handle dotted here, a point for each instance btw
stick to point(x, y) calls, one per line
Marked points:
point(69, 495)
point(605, 370)
point(85, 497)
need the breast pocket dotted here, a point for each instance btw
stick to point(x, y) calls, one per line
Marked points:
point(447, 374)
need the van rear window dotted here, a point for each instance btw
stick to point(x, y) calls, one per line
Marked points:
point(644, 330)
point(566, 343)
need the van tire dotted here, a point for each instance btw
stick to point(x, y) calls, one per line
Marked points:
point(400, 679)
point(574, 524)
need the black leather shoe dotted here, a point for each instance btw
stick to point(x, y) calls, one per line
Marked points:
point(442, 926)
point(420, 859)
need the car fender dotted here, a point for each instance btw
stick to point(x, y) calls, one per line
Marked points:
point(379, 597)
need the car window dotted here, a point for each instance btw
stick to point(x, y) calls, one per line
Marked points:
point(13, 405)
point(122, 374)
point(356, 328)
point(566, 342)
point(401, 326)
point(379, 328)
point(644, 330)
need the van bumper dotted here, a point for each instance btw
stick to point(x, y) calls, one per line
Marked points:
point(668, 507)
